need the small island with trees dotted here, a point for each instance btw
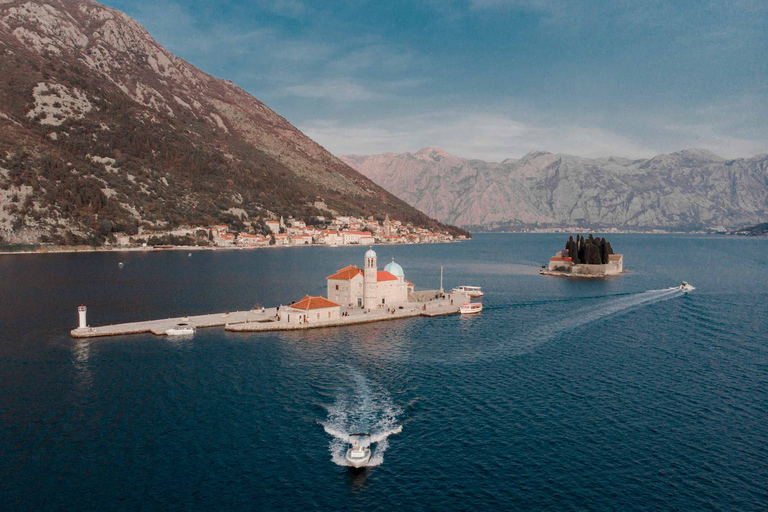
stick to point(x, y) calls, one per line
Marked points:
point(585, 257)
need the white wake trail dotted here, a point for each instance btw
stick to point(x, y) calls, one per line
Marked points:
point(579, 317)
point(361, 410)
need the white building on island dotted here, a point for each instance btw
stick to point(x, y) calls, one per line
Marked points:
point(369, 287)
point(311, 310)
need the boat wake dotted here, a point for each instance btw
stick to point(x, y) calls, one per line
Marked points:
point(613, 306)
point(584, 315)
point(361, 409)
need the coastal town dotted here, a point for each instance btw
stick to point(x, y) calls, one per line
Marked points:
point(282, 232)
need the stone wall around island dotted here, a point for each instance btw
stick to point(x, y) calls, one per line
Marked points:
point(564, 265)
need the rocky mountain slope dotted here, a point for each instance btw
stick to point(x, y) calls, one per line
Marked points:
point(103, 130)
point(688, 190)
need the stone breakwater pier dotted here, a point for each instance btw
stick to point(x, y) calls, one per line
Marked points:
point(355, 296)
point(269, 319)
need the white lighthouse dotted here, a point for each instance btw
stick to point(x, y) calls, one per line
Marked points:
point(369, 280)
point(81, 313)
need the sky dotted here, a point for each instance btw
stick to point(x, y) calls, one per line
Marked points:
point(489, 79)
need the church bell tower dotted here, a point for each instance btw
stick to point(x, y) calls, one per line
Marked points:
point(369, 280)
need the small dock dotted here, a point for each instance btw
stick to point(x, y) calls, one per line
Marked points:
point(266, 319)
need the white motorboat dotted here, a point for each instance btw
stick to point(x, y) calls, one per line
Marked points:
point(686, 287)
point(470, 308)
point(181, 330)
point(359, 452)
point(472, 291)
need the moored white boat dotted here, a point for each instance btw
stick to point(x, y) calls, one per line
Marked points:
point(181, 330)
point(470, 308)
point(472, 291)
point(359, 452)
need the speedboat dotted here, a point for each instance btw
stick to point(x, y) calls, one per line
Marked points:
point(359, 452)
point(472, 291)
point(470, 308)
point(684, 286)
point(181, 330)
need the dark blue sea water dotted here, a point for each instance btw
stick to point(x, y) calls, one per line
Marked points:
point(614, 394)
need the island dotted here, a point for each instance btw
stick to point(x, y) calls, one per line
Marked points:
point(355, 296)
point(585, 257)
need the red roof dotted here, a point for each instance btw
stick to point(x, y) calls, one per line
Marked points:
point(310, 302)
point(383, 275)
point(346, 273)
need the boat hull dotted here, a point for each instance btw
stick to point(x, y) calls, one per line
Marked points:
point(180, 332)
point(471, 311)
point(358, 462)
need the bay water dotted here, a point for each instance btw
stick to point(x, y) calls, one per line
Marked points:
point(563, 394)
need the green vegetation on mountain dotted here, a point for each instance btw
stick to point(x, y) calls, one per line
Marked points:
point(103, 131)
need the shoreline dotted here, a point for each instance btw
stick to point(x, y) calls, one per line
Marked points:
point(598, 231)
point(72, 249)
point(553, 273)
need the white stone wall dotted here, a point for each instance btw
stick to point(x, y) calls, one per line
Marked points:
point(349, 291)
point(554, 265)
point(312, 316)
point(391, 292)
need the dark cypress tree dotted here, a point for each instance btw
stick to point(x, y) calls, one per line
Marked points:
point(592, 253)
point(603, 251)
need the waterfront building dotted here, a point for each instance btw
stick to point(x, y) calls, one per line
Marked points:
point(248, 240)
point(352, 236)
point(273, 226)
point(310, 310)
point(224, 239)
point(369, 287)
point(301, 240)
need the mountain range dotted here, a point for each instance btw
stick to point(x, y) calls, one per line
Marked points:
point(102, 130)
point(683, 191)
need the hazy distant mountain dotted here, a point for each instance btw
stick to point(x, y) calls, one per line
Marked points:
point(103, 130)
point(687, 190)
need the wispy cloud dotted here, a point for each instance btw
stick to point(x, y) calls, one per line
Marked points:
point(342, 90)
point(543, 5)
point(486, 136)
point(587, 77)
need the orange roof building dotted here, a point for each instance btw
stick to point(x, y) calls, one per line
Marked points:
point(309, 303)
point(383, 275)
point(346, 273)
point(311, 310)
point(369, 287)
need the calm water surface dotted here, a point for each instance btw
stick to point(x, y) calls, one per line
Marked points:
point(614, 394)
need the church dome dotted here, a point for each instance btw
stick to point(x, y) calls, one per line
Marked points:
point(370, 253)
point(394, 269)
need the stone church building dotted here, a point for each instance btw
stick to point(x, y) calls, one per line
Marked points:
point(369, 287)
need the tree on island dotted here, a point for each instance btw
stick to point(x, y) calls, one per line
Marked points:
point(591, 251)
